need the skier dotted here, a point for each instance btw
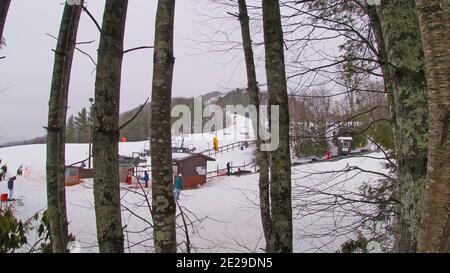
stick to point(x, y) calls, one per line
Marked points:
point(129, 176)
point(228, 168)
point(4, 169)
point(178, 186)
point(146, 178)
point(19, 171)
point(11, 188)
point(216, 143)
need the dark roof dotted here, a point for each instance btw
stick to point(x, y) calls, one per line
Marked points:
point(177, 157)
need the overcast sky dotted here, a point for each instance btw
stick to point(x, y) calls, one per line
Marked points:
point(25, 74)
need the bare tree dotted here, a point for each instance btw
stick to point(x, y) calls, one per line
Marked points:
point(262, 157)
point(280, 160)
point(106, 127)
point(56, 196)
point(163, 200)
point(434, 234)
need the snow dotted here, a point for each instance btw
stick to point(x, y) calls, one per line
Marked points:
point(224, 212)
point(180, 156)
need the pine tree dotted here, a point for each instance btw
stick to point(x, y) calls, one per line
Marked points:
point(70, 130)
point(82, 126)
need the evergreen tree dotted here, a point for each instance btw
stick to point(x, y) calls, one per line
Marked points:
point(70, 130)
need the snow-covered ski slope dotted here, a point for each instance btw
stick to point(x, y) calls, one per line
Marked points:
point(223, 214)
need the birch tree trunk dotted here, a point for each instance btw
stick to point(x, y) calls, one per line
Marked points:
point(106, 128)
point(280, 159)
point(405, 77)
point(262, 157)
point(163, 201)
point(4, 7)
point(434, 235)
point(57, 111)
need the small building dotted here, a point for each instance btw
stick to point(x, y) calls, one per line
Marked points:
point(344, 145)
point(193, 168)
point(74, 175)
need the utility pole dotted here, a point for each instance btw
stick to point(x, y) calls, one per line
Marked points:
point(91, 100)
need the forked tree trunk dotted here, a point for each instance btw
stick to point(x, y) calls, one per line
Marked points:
point(280, 160)
point(163, 201)
point(262, 157)
point(106, 128)
point(57, 110)
point(405, 76)
point(434, 235)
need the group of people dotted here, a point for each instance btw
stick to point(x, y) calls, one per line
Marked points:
point(178, 184)
point(229, 172)
point(10, 185)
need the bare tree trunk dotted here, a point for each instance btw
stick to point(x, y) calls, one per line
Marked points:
point(280, 161)
point(56, 194)
point(4, 7)
point(106, 128)
point(163, 201)
point(263, 159)
point(405, 77)
point(434, 234)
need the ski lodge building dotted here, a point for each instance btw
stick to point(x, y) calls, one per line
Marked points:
point(193, 168)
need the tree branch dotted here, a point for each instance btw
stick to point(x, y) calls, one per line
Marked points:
point(92, 18)
point(137, 48)
point(135, 115)
point(83, 43)
point(90, 57)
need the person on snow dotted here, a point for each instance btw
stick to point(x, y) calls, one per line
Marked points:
point(19, 171)
point(216, 143)
point(228, 168)
point(4, 169)
point(129, 176)
point(11, 188)
point(146, 178)
point(178, 186)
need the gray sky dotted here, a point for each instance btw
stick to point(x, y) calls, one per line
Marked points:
point(25, 75)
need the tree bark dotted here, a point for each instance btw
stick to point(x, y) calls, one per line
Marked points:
point(262, 157)
point(405, 76)
point(4, 7)
point(106, 128)
point(57, 111)
point(280, 159)
point(163, 201)
point(434, 235)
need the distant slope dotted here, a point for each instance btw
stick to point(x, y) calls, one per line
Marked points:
point(139, 129)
